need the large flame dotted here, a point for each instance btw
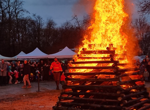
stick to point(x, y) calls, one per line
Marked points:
point(107, 28)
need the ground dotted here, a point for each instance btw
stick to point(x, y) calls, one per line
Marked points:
point(31, 101)
point(13, 97)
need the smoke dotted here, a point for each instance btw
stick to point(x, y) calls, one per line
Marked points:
point(132, 45)
point(83, 6)
point(131, 8)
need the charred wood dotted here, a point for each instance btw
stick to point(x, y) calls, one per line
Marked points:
point(98, 52)
point(90, 67)
point(138, 104)
point(92, 73)
point(85, 62)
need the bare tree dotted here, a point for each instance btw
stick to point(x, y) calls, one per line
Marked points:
point(144, 6)
point(141, 27)
point(11, 11)
point(142, 32)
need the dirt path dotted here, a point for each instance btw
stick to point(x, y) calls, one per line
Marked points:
point(32, 101)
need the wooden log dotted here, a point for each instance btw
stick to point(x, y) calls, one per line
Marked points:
point(134, 73)
point(91, 73)
point(86, 62)
point(94, 57)
point(135, 94)
point(128, 69)
point(92, 93)
point(95, 80)
point(98, 52)
point(89, 99)
point(133, 101)
point(135, 87)
point(66, 108)
point(131, 81)
point(137, 104)
point(91, 87)
point(145, 108)
point(91, 105)
point(94, 67)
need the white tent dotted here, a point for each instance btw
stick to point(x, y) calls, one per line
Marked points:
point(21, 53)
point(7, 58)
point(140, 58)
point(36, 53)
point(64, 53)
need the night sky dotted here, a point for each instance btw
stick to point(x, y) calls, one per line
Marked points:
point(58, 10)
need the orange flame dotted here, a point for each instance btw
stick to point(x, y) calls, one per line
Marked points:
point(107, 28)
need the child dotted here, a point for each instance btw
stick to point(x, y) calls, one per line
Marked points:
point(10, 73)
point(16, 74)
point(62, 79)
point(146, 75)
point(31, 76)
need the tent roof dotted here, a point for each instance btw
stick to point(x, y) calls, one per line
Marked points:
point(140, 58)
point(64, 53)
point(7, 58)
point(21, 53)
point(36, 53)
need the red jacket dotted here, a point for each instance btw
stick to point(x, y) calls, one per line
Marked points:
point(56, 67)
point(63, 77)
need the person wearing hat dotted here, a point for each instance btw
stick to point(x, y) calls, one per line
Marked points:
point(56, 70)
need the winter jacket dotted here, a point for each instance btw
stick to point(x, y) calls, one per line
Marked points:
point(3, 66)
point(56, 67)
point(63, 77)
point(146, 74)
point(26, 69)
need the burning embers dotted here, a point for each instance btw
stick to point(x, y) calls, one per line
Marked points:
point(101, 76)
point(106, 85)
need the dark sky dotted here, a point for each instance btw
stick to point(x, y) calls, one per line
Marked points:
point(58, 10)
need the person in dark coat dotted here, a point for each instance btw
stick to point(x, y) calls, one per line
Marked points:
point(41, 65)
point(3, 73)
point(64, 67)
point(46, 71)
point(26, 73)
point(148, 69)
point(21, 73)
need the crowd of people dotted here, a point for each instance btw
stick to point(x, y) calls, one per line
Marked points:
point(145, 68)
point(22, 72)
point(14, 73)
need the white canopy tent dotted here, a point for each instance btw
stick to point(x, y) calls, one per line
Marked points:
point(21, 53)
point(140, 58)
point(35, 54)
point(64, 53)
point(7, 58)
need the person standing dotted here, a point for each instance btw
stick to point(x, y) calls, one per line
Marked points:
point(41, 65)
point(56, 70)
point(21, 73)
point(26, 73)
point(148, 69)
point(146, 75)
point(3, 73)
